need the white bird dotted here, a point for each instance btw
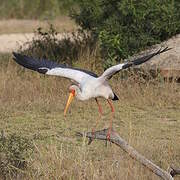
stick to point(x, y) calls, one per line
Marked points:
point(86, 83)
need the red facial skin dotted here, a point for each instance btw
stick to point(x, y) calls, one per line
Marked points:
point(73, 92)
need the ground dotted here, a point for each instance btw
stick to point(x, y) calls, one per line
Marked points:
point(147, 116)
point(14, 33)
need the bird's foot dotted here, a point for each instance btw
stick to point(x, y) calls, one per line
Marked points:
point(108, 136)
point(93, 132)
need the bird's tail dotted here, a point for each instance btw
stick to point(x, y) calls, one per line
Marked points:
point(115, 97)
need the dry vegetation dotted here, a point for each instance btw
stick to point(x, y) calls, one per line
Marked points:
point(62, 24)
point(147, 116)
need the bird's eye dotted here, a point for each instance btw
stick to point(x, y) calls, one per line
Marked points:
point(73, 91)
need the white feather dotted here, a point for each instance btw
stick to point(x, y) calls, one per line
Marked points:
point(73, 74)
point(111, 71)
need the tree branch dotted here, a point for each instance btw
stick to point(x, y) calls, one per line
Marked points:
point(174, 171)
point(116, 139)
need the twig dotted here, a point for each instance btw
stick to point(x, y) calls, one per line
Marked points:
point(174, 171)
point(116, 139)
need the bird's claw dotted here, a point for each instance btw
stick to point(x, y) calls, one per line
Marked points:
point(108, 137)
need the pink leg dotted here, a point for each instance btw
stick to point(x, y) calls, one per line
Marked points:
point(100, 112)
point(111, 120)
point(99, 106)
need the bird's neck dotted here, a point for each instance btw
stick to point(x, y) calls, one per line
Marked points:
point(81, 96)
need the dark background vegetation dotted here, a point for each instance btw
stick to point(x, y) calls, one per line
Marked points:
point(121, 27)
point(127, 26)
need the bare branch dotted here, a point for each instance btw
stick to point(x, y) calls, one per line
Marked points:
point(173, 171)
point(116, 139)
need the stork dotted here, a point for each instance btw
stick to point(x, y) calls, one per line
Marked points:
point(87, 84)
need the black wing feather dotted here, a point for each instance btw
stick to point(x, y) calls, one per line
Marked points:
point(35, 64)
point(43, 65)
point(143, 59)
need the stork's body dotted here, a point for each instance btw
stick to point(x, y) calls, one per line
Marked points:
point(86, 83)
point(99, 90)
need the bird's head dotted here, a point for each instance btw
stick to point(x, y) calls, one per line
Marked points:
point(73, 91)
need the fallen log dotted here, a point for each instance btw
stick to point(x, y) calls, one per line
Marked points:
point(116, 139)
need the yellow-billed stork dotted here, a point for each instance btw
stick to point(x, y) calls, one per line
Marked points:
point(87, 84)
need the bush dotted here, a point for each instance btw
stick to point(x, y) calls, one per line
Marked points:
point(14, 152)
point(125, 27)
point(47, 44)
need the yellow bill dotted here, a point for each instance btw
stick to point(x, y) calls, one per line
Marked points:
point(71, 96)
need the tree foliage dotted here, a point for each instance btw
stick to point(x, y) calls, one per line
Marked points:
point(124, 27)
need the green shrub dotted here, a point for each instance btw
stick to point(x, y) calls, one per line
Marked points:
point(14, 153)
point(125, 27)
point(47, 44)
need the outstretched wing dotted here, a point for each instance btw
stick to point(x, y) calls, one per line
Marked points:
point(52, 68)
point(115, 69)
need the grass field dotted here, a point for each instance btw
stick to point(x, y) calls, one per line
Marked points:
point(147, 116)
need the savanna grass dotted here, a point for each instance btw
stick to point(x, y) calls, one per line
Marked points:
point(147, 116)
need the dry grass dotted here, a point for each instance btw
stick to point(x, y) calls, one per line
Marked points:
point(62, 24)
point(147, 116)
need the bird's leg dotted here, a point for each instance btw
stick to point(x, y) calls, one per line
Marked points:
point(100, 113)
point(99, 106)
point(111, 120)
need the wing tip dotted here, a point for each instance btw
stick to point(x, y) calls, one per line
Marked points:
point(140, 61)
point(17, 56)
point(25, 61)
point(14, 55)
point(163, 50)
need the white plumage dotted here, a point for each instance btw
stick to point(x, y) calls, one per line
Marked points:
point(87, 84)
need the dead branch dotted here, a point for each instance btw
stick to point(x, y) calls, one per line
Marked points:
point(116, 139)
point(174, 171)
